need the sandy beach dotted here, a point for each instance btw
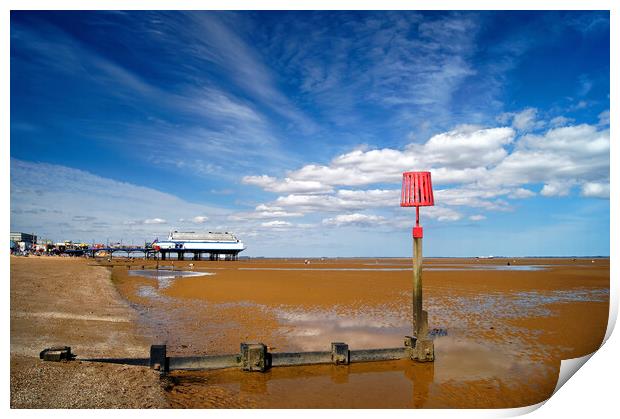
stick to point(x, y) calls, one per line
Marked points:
point(64, 301)
point(508, 327)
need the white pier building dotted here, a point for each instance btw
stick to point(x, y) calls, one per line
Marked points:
point(219, 245)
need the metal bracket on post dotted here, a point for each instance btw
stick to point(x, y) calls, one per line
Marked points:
point(418, 232)
point(410, 342)
point(340, 353)
point(420, 349)
point(424, 350)
point(158, 359)
point(254, 357)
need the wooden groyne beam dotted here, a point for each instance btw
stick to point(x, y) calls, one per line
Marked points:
point(256, 357)
point(252, 357)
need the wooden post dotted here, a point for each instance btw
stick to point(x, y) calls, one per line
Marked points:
point(417, 288)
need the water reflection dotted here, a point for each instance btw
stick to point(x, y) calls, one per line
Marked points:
point(312, 330)
point(463, 359)
point(394, 384)
point(164, 277)
point(165, 274)
point(391, 384)
point(367, 327)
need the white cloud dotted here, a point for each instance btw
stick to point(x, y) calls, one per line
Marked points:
point(441, 213)
point(467, 147)
point(477, 217)
point(575, 153)
point(138, 222)
point(525, 120)
point(342, 200)
point(475, 163)
point(560, 121)
point(216, 104)
point(371, 197)
point(276, 223)
point(263, 211)
point(200, 219)
point(354, 219)
point(522, 193)
point(438, 213)
point(595, 190)
point(457, 156)
point(154, 221)
point(311, 203)
point(555, 189)
point(287, 185)
point(473, 197)
point(584, 139)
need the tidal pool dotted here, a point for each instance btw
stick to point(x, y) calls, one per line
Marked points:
point(164, 273)
point(165, 277)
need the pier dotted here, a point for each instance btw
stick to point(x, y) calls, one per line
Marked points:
point(159, 254)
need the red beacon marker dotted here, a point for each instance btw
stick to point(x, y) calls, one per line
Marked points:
point(417, 192)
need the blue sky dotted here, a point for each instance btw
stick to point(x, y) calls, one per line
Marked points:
point(292, 129)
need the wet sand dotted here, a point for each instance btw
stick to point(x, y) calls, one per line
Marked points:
point(508, 328)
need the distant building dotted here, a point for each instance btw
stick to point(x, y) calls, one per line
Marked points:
point(28, 240)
